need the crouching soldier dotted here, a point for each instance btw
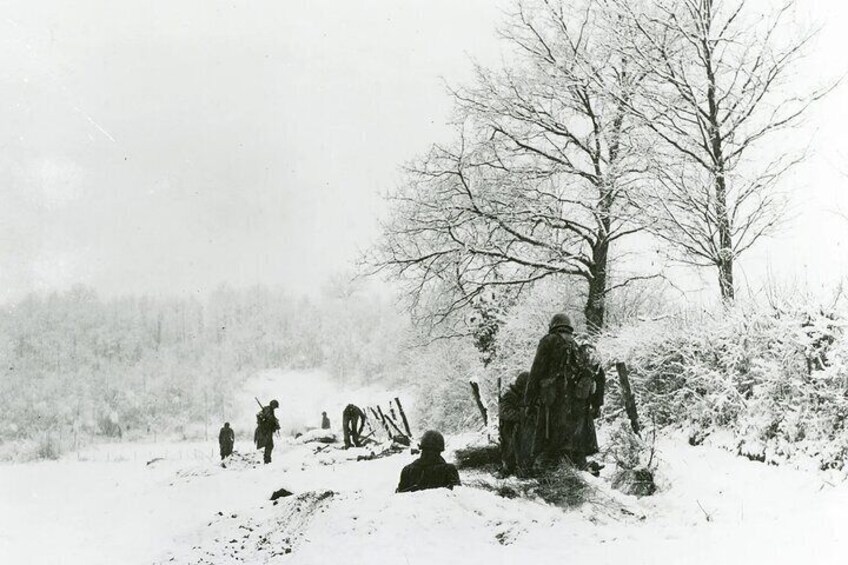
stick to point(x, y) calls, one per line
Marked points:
point(429, 470)
point(353, 422)
point(226, 439)
point(267, 425)
point(510, 417)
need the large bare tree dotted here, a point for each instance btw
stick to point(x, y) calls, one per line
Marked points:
point(541, 179)
point(716, 87)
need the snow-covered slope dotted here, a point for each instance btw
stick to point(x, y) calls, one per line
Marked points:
point(107, 505)
point(716, 508)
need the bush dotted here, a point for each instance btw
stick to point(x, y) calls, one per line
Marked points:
point(634, 460)
point(563, 486)
point(487, 457)
point(773, 376)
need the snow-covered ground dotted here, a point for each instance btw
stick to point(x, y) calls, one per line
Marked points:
point(185, 508)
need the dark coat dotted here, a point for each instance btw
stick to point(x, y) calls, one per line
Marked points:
point(266, 425)
point(226, 437)
point(558, 417)
point(226, 440)
point(510, 417)
point(353, 422)
point(426, 472)
point(325, 423)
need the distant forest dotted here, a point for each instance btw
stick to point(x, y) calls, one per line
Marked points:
point(82, 366)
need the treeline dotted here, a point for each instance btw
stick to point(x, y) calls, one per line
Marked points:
point(79, 365)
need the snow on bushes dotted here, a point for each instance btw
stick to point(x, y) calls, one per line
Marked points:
point(635, 462)
point(774, 377)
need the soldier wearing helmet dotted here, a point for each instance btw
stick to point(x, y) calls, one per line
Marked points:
point(430, 470)
point(557, 368)
point(510, 417)
point(266, 425)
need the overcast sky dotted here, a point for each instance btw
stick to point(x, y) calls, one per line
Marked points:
point(171, 146)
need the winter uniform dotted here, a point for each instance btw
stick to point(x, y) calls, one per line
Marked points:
point(585, 410)
point(325, 421)
point(266, 425)
point(353, 422)
point(226, 439)
point(556, 396)
point(510, 417)
point(430, 470)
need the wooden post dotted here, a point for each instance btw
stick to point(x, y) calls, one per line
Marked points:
point(475, 390)
point(385, 425)
point(403, 417)
point(385, 419)
point(627, 396)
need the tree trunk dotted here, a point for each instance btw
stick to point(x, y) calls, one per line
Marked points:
point(595, 308)
point(716, 149)
point(725, 276)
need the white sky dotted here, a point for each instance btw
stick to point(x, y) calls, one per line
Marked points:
point(170, 146)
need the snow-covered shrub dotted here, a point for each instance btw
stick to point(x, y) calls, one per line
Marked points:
point(487, 456)
point(438, 376)
point(634, 459)
point(775, 377)
point(563, 486)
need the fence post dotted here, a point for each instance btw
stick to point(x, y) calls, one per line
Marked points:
point(627, 396)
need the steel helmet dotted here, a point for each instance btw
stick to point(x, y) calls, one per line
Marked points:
point(274, 404)
point(560, 321)
point(432, 441)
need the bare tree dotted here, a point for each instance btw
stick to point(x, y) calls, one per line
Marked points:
point(714, 91)
point(541, 179)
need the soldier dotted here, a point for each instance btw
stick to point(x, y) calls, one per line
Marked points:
point(226, 439)
point(325, 421)
point(429, 470)
point(586, 408)
point(556, 380)
point(353, 422)
point(510, 416)
point(266, 425)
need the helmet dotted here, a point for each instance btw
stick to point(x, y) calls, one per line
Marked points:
point(432, 441)
point(274, 404)
point(560, 321)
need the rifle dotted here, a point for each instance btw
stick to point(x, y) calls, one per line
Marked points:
point(277, 431)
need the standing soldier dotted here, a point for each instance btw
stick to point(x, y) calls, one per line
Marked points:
point(353, 422)
point(586, 408)
point(510, 416)
point(325, 421)
point(430, 470)
point(267, 425)
point(555, 381)
point(226, 439)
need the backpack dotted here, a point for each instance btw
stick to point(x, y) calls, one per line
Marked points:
point(584, 382)
point(573, 377)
